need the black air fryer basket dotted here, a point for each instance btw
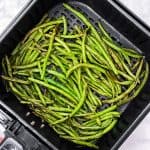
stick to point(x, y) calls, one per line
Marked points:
point(122, 26)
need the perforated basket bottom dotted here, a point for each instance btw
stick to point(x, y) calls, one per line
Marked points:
point(72, 20)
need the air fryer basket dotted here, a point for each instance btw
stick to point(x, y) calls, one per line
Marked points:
point(121, 28)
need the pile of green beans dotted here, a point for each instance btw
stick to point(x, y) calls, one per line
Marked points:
point(69, 76)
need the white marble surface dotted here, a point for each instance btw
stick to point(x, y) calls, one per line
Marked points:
point(8, 11)
point(140, 7)
point(140, 138)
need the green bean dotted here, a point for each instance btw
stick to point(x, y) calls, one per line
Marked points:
point(4, 66)
point(71, 129)
point(69, 44)
point(39, 68)
point(99, 91)
point(60, 121)
point(109, 109)
point(114, 113)
point(39, 93)
point(57, 74)
point(65, 101)
point(89, 106)
point(61, 87)
point(48, 28)
point(89, 122)
point(106, 123)
point(125, 75)
point(99, 84)
point(105, 54)
point(59, 132)
point(116, 58)
point(71, 36)
point(112, 85)
point(91, 98)
point(98, 100)
point(86, 144)
point(28, 54)
point(62, 43)
point(63, 52)
point(118, 89)
point(142, 75)
point(48, 53)
point(44, 19)
point(132, 51)
point(52, 88)
point(23, 56)
point(59, 63)
point(74, 87)
point(84, 65)
point(128, 70)
point(111, 116)
point(131, 87)
point(79, 105)
point(54, 22)
point(30, 35)
point(40, 48)
point(139, 69)
point(26, 66)
point(15, 80)
point(110, 126)
point(16, 50)
point(123, 82)
point(16, 91)
point(90, 58)
point(103, 125)
point(92, 44)
point(104, 32)
point(28, 40)
point(92, 128)
point(65, 25)
point(135, 65)
point(59, 109)
point(139, 88)
point(83, 47)
point(127, 59)
point(9, 71)
point(38, 36)
point(104, 87)
point(87, 132)
point(55, 114)
point(79, 80)
point(90, 137)
point(24, 72)
point(112, 45)
point(84, 19)
point(84, 55)
point(48, 100)
point(28, 91)
point(49, 119)
point(26, 44)
point(17, 62)
point(20, 89)
point(33, 56)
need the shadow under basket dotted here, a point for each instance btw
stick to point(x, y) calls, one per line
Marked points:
point(122, 26)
